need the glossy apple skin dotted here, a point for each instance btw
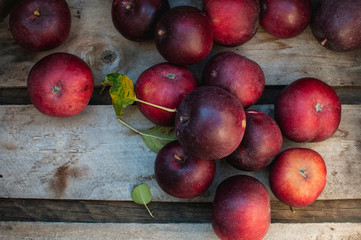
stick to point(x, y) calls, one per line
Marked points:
point(237, 74)
point(60, 85)
point(136, 19)
point(184, 35)
point(308, 110)
point(44, 32)
point(210, 122)
point(241, 209)
point(337, 25)
point(180, 174)
point(234, 22)
point(298, 176)
point(166, 85)
point(261, 143)
point(285, 18)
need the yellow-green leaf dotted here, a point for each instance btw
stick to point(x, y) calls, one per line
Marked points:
point(141, 195)
point(121, 91)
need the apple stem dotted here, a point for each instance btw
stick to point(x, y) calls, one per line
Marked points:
point(324, 42)
point(37, 13)
point(292, 209)
point(157, 106)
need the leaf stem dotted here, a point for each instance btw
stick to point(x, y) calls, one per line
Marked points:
point(142, 134)
point(157, 106)
point(130, 127)
point(150, 213)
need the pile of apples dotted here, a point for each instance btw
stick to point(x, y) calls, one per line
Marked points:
point(212, 118)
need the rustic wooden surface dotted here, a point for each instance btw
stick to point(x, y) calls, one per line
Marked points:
point(93, 156)
point(55, 173)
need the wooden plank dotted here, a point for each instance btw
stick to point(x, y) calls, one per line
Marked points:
point(92, 156)
point(19, 96)
point(27, 230)
point(94, 39)
point(97, 211)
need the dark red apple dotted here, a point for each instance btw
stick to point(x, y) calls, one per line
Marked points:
point(237, 74)
point(184, 35)
point(234, 22)
point(136, 19)
point(261, 143)
point(180, 174)
point(163, 84)
point(337, 24)
point(60, 85)
point(298, 176)
point(210, 122)
point(40, 25)
point(308, 110)
point(285, 18)
point(241, 209)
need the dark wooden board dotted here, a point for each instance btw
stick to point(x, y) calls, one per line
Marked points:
point(92, 211)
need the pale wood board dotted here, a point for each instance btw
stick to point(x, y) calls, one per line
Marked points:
point(80, 231)
point(94, 39)
point(93, 156)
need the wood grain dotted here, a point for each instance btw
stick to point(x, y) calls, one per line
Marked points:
point(91, 211)
point(92, 156)
point(94, 39)
point(80, 231)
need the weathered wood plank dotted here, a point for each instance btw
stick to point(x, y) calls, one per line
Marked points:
point(80, 231)
point(94, 38)
point(92, 156)
point(96, 211)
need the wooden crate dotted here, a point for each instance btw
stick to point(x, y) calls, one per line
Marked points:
point(71, 178)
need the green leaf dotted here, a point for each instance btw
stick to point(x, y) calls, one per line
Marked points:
point(121, 91)
point(141, 195)
point(158, 136)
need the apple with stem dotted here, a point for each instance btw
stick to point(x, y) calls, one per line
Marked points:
point(298, 176)
point(136, 19)
point(163, 84)
point(40, 25)
point(60, 85)
point(308, 110)
point(261, 143)
point(184, 35)
point(180, 174)
point(210, 122)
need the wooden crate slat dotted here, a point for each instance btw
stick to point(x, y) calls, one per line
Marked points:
point(92, 156)
point(94, 38)
point(26, 230)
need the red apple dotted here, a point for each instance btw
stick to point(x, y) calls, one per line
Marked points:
point(184, 35)
point(261, 142)
point(308, 110)
point(234, 22)
point(60, 85)
point(210, 122)
point(163, 84)
point(241, 209)
point(180, 174)
point(237, 74)
point(39, 25)
point(298, 176)
point(285, 18)
point(136, 19)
